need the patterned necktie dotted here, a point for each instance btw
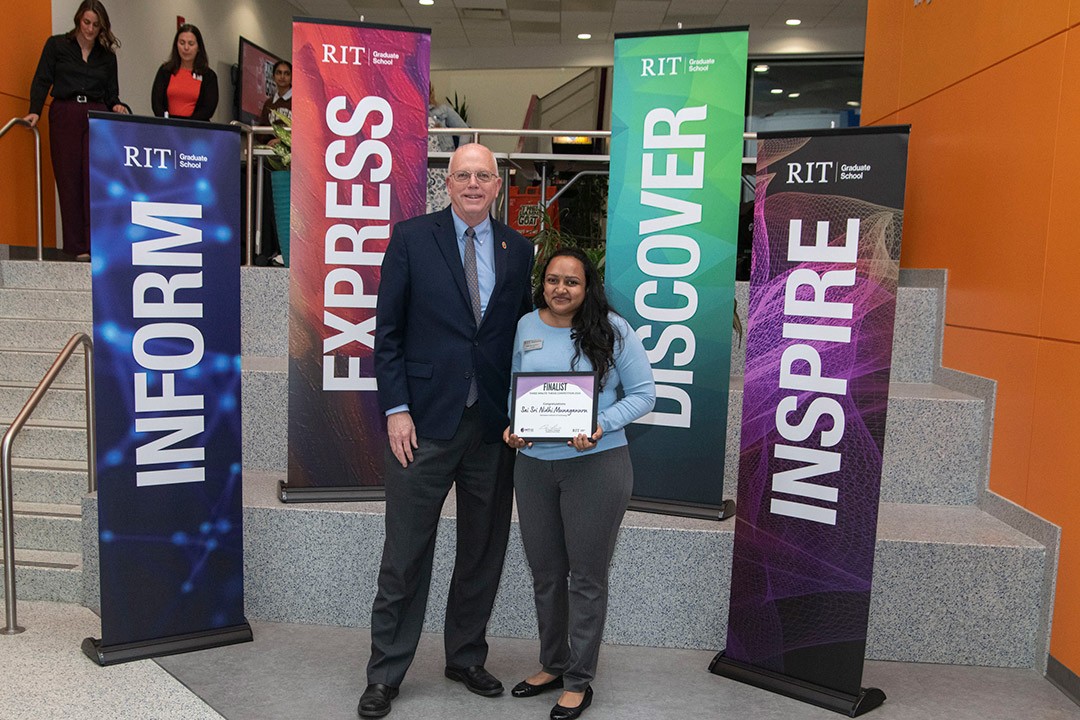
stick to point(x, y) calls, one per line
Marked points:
point(473, 284)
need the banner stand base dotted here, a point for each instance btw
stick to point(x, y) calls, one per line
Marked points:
point(345, 493)
point(159, 647)
point(843, 703)
point(699, 511)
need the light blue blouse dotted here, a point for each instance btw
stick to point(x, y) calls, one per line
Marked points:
point(631, 378)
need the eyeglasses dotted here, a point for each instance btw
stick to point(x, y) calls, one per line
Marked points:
point(482, 176)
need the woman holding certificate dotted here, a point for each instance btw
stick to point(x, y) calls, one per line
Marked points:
point(572, 495)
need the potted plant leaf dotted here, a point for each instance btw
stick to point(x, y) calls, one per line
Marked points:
point(280, 164)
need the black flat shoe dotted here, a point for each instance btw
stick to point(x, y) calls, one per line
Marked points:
point(375, 702)
point(526, 689)
point(560, 712)
point(476, 679)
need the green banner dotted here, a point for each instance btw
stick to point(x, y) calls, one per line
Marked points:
point(678, 106)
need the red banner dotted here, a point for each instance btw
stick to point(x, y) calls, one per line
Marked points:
point(358, 166)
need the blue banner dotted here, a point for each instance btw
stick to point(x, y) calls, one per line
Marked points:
point(165, 209)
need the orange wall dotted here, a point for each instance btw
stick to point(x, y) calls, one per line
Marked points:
point(18, 204)
point(992, 92)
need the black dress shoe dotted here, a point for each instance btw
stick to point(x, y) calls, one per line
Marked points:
point(527, 689)
point(560, 712)
point(477, 679)
point(375, 702)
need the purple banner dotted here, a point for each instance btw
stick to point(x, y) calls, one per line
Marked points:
point(827, 227)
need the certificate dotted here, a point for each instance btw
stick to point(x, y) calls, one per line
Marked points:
point(550, 407)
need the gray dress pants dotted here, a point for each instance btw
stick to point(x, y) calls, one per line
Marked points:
point(569, 512)
point(482, 475)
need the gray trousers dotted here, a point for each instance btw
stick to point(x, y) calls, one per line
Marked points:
point(569, 512)
point(482, 476)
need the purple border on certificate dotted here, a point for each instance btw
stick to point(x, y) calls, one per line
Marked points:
point(550, 422)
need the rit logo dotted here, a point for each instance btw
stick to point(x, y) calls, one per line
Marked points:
point(343, 54)
point(654, 67)
point(809, 172)
point(147, 157)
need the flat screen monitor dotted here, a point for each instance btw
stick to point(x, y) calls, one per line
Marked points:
point(255, 80)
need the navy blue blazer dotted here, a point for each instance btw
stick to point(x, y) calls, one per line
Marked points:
point(427, 344)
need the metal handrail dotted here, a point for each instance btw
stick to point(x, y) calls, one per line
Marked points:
point(6, 495)
point(249, 139)
point(253, 226)
point(37, 167)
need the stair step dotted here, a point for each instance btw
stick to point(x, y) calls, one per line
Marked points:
point(932, 440)
point(48, 526)
point(17, 365)
point(63, 401)
point(933, 445)
point(47, 335)
point(47, 575)
point(56, 304)
point(45, 275)
point(954, 585)
point(264, 311)
point(951, 584)
point(915, 343)
point(48, 481)
point(50, 439)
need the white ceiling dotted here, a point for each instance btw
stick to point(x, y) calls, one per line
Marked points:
point(543, 33)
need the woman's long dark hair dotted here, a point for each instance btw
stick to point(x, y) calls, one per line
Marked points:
point(105, 38)
point(201, 63)
point(591, 330)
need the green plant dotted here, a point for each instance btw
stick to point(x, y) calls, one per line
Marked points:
point(282, 157)
point(551, 238)
point(460, 107)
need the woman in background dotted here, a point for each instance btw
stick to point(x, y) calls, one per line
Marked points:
point(571, 497)
point(80, 67)
point(282, 99)
point(185, 86)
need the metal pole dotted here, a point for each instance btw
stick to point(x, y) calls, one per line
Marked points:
point(91, 408)
point(543, 194)
point(258, 207)
point(250, 169)
point(249, 141)
point(10, 610)
point(37, 167)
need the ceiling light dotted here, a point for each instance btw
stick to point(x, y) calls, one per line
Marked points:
point(853, 103)
point(776, 91)
point(427, 2)
point(584, 36)
point(793, 95)
point(793, 22)
point(761, 68)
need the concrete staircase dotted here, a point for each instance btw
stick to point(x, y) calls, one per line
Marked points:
point(41, 307)
point(961, 575)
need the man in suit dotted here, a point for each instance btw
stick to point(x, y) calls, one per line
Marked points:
point(453, 286)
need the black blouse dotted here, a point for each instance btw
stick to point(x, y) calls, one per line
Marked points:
point(62, 67)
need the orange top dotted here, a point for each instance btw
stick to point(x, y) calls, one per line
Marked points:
point(183, 93)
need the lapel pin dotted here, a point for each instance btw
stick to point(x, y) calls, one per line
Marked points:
point(504, 244)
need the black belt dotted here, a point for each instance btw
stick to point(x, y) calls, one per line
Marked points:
point(83, 99)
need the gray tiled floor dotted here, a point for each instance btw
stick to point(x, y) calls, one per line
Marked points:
point(44, 675)
point(307, 671)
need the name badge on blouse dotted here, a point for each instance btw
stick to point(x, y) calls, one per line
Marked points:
point(196, 77)
point(532, 345)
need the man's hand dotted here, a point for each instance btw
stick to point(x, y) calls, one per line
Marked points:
point(402, 432)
